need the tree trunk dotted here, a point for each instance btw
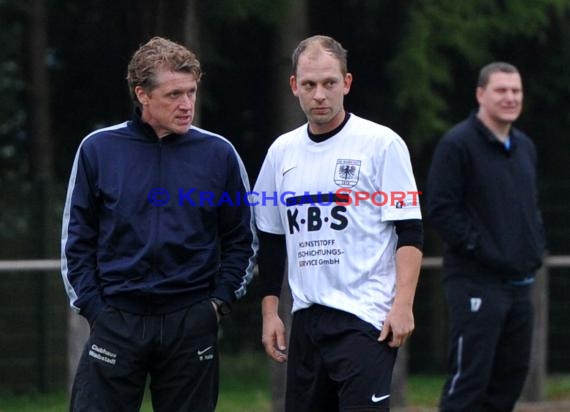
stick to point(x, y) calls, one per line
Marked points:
point(176, 20)
point(293, 28)
point(42, 172)
point(39, 94)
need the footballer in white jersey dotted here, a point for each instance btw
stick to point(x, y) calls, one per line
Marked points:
point(339, 195)
point(335, 201)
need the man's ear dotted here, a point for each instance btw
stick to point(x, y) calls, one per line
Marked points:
point(293, 84)
point(142, 95)
point(478, 93)
point(347, 83)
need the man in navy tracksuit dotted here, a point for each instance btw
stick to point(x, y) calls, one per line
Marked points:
point(157, 243)
point(482, 199)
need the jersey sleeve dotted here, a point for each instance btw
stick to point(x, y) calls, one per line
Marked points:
point(271, 263)
point(267, 216)
point(398, 183)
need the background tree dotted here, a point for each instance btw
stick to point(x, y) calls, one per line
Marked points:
point(292, 27)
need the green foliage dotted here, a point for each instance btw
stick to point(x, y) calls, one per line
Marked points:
point(244, 383)
point(424, 390)
point(442, 33)
point(34, 402)
point(12, 89)
point(558, 387)
point(263, 10)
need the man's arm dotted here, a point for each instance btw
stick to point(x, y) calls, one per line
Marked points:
point(80, 230)
point(445, 199)
point(271, 264)
point(238, 238)
point(400, 320)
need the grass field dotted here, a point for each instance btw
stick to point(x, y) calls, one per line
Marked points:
point(245, 387)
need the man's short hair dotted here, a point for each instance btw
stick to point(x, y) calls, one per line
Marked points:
point(492, 68)
point(155, 55)
point(326, 43)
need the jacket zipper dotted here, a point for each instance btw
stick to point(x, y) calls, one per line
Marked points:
point(156, 251)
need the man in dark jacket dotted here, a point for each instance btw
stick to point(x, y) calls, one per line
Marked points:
point(482, 199)
point(157, 243)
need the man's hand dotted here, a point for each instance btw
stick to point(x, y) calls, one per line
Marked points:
point(273, 334)
point(398, 326)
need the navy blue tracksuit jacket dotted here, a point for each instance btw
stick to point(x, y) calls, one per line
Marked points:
point(155, 225)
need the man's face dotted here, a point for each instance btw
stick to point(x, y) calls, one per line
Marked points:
point(320, 86)
point(169, 107)
point(500, 101)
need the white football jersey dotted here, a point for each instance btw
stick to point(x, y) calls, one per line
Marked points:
point(335, 201)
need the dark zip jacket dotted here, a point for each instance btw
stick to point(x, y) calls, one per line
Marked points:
point(482, 199)
point(154, 225)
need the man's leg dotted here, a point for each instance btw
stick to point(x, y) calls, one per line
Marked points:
point(111, 373)
point(513, 353)
point(361, 366)
point(476, 313)
point(309, 388)
point(185, 364)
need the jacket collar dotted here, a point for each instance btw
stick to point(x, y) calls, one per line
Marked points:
point(489, 136)
point(147, 131)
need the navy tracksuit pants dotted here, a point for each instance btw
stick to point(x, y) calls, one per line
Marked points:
point(178, 351)
point(491, 331)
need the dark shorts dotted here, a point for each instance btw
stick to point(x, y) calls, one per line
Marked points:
point(336, 363)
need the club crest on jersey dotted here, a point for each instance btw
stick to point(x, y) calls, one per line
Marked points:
point(347, 172)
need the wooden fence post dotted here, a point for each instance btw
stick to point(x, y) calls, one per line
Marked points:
point(78, 332)
point(400, 377)
point(534, 390)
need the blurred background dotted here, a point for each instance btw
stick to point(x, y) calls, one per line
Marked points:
point(415, 65)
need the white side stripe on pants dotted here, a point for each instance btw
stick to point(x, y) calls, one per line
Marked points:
point(459, 358)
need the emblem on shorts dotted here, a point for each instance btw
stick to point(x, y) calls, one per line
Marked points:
point(377, 399)
point(347, 172)
point(205, 354)
point(476, 304)
point(201, 352)
point(102, 354)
